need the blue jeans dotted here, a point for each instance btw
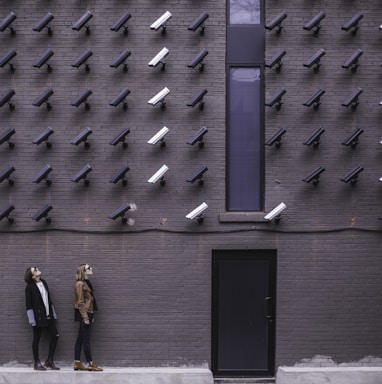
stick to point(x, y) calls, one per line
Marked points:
point(83, 340)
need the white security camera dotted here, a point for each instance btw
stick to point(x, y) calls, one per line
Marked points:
point(159, 175)
point(275, 213)
point(197, 211)
point(161, 21)
point(159, 136)
point(159, 57)
point(159, 97)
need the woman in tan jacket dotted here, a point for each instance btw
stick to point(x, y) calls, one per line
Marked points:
point(84, 307)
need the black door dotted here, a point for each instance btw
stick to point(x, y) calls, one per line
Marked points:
point(243, 316)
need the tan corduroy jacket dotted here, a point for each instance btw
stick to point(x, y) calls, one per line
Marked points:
point(83, 299)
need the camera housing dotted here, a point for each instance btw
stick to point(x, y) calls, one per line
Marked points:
point(352, 176)
point(352, 62)
point(161, 22)
point(6, 137)
point(120, 175)
point(276, 22)
point(276, 59)
point(314, 139)
point(352, 140)
point(276, 138)
point(352, 23)
point(6, 59)
point(198, 137)
point(314, 176)
point(315, 99)
point(43, 59)
point(160, 98)
point(198, 98)
point(82, 98)
point(120, 59)
point(77, 26)
point(82, 137)
point(315, 60)
point(44, 136)
point(82, 175)
point(159, 137)
point(6, 211)
point(7, 23)
point(159, 58)
point(82, 59)
point(275, 214)
point(121, 138)
point(314, 23)
point(199, 23)
point(121, 211)
point(121, 23)
point(197, 213)
point(121, 98)
point(198, 175)
point(43, 213)
point(43, 175)
point(276, 98)
point(6, 97)
point(43, 23)
point(159, 175)
point(43, 98)
point(198, 60)
point(6, 174)
point(352, 100)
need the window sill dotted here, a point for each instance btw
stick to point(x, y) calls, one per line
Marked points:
point(241, 217)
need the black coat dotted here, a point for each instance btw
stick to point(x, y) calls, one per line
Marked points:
point(35, 306)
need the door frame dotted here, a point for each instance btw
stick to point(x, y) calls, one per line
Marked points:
point(256, 254)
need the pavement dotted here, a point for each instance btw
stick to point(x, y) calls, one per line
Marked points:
point(66, 375)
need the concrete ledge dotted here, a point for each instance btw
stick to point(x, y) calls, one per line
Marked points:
point(109, 376)
point(332, 375)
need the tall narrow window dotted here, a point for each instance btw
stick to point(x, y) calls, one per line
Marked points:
point(244, 140)
point(244, 11)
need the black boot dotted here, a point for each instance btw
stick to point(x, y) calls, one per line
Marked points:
point(38, 366)
point(50, 364)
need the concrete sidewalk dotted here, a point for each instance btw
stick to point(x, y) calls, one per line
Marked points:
point(66, 375)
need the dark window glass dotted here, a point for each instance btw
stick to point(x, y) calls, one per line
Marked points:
point(244, 140)
point(244, 12)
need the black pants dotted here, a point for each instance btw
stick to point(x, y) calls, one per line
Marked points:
point(53, 334)
point(83, 340)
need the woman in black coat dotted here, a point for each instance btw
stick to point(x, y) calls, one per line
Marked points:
point(41, 315)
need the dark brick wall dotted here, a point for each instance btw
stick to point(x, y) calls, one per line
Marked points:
point(153, 279)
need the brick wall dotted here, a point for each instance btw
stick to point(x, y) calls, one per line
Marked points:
point(153, 279)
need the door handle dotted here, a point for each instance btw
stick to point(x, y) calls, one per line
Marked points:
point(267, 304)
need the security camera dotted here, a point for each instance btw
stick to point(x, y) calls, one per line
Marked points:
point(352, 140)
point(82, 174)
point(44, 136)
point(352, 62)
point(6, 211)
point(43, 175)
point(315, 60)
point(314, 23)
point(352, 99)
point(6, 174)
point(314, 139)
point(276, 59)
point(276, 138)
point(314, 176)
point(197, 212)
point(43, 23)
point(6, 137)
point(82, 98)
point(199, 23)
point(82, 59)
point(198, 175)
point(315, 99)
point(43, 98)
point(120, 175)
point(159, 136)
point(7, 21)
point(198, 60)
point(120, 212)
point(198, 137)
point(159, 97)
point(161, 22)
point(276, 22)
point(121, 138)
point(82, 22)
point(121, 58)
point(352, 24)
point(159, 175)
point(6, 59)
point(82, 137)
point(159, 58)
point(198, 98)
point(352, 176)
point(275, 213)
point(121, 23)
point(6, 98)
point(43, 212)
point(121, 97)
point(276, 99)
point(44, 59)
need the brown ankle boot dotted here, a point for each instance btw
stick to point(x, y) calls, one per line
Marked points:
point(94, 367)
point(78, 366)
